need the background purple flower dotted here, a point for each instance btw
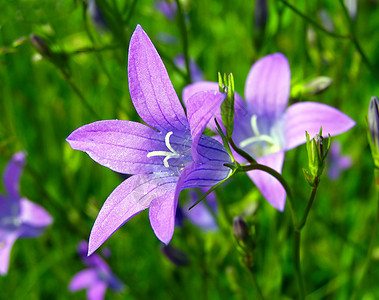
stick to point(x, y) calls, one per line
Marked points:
point(336, 161)
point(196, 74)
point(165, 160)
point(96, 278)
point(265, 129)
point(167, 9)
point(199, 215)
point(19, 217)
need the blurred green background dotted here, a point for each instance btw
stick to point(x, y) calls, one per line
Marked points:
point(42, 100)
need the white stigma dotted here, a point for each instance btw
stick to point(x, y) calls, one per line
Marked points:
point(258, 137)
point(172, 154)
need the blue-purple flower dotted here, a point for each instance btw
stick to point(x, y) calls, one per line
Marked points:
point(167, 9)
point(165, 157)
point(19, 217)
point(96, 278)
point(265, 129)
point(336, 161)
point(200, 214)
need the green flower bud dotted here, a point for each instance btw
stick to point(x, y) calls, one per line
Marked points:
point(373, 126)
point(317, 85)
point(317, 150)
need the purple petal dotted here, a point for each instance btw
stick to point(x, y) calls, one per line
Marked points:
point(205, 174)
point(162, 210)
point(310, 116)
point(83, 279)
point(33, 214)
point(267, 86)
point(150, 87)
point(201, 86)
point(12, 174)
point(129, 198)
point(119, 145)
point(200, 109)
point(6, 242)
point(162, 216)
point(268, 185)
point(97, 291)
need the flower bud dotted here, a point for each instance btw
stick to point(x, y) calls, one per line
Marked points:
point(317, 150)
point(39, 44)
point(240, 229)
point(373, 124)
point(175, 255)
point(317, 85)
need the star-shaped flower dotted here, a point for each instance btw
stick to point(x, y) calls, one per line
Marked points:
point(169, 155)
point(19, 217)
point(265, 128)
point(96, 278)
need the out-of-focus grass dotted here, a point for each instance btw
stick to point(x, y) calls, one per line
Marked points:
point(39, 109)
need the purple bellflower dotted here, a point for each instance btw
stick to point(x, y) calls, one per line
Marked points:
point(336, 161)
point(169, 155)
point(265, 129)
point(96, 278)
point(19, 217)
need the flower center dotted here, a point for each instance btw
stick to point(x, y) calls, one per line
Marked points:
point(261, 143)
point(171, 154)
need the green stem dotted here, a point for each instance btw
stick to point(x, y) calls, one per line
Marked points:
point(314, 23)
point(255, 283)
point(272, 172)
point(79, 93)
point(296, 253)
point(183, 31)
point(241, 152)
point(367, 263)
point(354, 39)
point(308, 208)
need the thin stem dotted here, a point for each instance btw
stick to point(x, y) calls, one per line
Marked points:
point(367, 263)
point(130, 13)
point(308, 208)
point(296, 253)
point(354, 39)
point(314, 23)
point(241, 152)
point(255, 283)
point(183, 31)
point(79, 93)
point(272, 172)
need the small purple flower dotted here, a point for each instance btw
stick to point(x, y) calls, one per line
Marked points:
point(96, 15)
point(196, 74)
point(265, 129)
point(337, 162)
point(19, 217)
point(199, 215)
point(169, 155)
point(167, 9)
point(96, 278)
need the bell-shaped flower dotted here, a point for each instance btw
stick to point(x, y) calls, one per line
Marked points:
point(265, 128)
point(167, 156)
point(96, 278)
point(19, 217)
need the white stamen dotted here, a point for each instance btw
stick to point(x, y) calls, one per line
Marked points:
point(172, 154)
point(258, 137)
